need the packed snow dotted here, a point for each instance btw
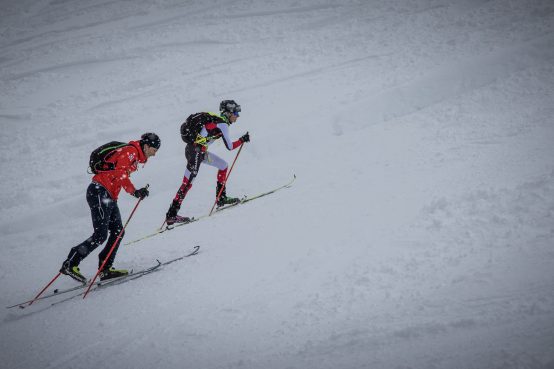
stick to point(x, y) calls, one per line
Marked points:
point(419, 232)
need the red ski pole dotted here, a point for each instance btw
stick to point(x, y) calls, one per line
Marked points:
point(226, 178)
point(112, 248)
point(44, 289)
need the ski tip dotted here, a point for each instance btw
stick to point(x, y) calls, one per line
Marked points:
point(194, 250)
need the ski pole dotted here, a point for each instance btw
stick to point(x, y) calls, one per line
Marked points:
point(44, 289)
point(113, 247)
point(226, 178)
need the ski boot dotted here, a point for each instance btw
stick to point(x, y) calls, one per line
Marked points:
point(171, 217)
point(110, 272)
point(73, 272)
point(176, 219)
point(223, 198)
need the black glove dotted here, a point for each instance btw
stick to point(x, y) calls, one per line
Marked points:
point(245, 138)
point(141, 193)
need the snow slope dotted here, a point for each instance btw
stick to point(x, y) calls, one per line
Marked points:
point(418, 234)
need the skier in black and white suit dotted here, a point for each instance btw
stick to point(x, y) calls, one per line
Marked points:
point(212, 127)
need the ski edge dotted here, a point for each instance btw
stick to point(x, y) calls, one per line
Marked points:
point(57, 292)
point(129, 278)
point(193, 219)
point(114, 281)
point(242, 201)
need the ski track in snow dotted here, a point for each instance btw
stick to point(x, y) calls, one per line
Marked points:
point(418, 233)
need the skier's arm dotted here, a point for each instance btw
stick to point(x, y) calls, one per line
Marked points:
point(126, 164)
point(224, 128)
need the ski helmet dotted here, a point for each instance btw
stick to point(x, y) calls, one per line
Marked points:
point(229, 106)
point(151, 139)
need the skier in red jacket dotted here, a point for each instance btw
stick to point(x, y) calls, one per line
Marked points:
point(102, 196)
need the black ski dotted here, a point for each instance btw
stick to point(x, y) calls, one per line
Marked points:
point(129, 277)
point(110, 282)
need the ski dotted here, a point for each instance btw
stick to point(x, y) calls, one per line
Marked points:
point(128, 278)
point(242, 201)
point(132, 275)
point(58, 292)
point(247, 199)
point(194, 252)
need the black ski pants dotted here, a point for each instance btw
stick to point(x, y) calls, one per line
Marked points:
point(106, 220)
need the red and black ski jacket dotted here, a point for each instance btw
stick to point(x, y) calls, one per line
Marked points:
point(126, 160)
point(212, 127)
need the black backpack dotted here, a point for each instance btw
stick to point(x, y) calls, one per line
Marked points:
point(192, 127)
point(97, 161)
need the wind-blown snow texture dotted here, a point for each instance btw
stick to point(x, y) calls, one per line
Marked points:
point(419, 233)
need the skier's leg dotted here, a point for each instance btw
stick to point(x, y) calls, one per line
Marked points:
point(194, 157)
point(115, 226)
point(99, 202)
point(186, 185)
point(219, 163)
point(215, 161)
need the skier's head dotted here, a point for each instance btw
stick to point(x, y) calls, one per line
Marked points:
point(150, 143)
point(230, 109)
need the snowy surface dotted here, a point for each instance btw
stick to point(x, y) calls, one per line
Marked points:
point(420, 230)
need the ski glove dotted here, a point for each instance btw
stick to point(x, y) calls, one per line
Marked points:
point(245, 138)
point(141, 193)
